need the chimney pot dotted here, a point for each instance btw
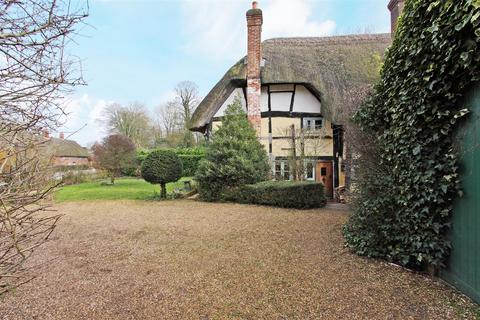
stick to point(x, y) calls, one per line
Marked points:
point(61, 135)
point(396, 9)
point(46, 134)
point(254, 5)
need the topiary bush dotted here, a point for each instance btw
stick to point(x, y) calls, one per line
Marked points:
point(403, 214)
point(190, 158)
point(162, 167)
point(234, 157)
point(285, 194)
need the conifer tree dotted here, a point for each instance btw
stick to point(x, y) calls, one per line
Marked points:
point(234, 157)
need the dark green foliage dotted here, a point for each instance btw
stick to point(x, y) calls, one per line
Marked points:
point(234, 157)
point(403, 214)
point(190, 163)
point(190, 158)
point(285, 194)
point(162, 167)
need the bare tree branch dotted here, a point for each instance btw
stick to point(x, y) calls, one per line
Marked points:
point(35, 74)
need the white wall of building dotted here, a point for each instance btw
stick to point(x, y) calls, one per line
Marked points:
point(237, 92)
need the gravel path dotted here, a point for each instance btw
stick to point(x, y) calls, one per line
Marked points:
point(194, 260)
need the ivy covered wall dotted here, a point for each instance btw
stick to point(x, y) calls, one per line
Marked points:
point(403, 211)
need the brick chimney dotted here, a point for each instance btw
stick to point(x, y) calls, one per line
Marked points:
point(396, 8)
point(254, 58)
point(61, 135)
point(46, 134)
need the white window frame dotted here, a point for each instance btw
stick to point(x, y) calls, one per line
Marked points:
point(283, 164)
point(308, 126)
point(313, 162)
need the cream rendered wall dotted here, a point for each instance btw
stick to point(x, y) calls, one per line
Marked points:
point(281, 129)
point(237, 92)
point(305, 101)
point(322, 146)
point(216, 125)
point(264, 100)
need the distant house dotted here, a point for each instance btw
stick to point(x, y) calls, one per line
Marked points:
point(301, 82)
point(64, 152)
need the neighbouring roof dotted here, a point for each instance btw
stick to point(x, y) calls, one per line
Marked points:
point(65, 148)
point(328, 66)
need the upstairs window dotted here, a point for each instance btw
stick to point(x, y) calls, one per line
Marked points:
point(312, 123)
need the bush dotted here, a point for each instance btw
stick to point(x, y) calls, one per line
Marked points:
point(162, 167)
point(77, 177)
point(190, 158)
point(71, 168)
point(285, 194)
point(130, 171)
point(233, 158)
point(190, 163)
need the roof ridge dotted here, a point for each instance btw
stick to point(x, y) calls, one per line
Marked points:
point(329, 39)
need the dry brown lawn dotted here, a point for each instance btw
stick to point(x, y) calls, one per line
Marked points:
point(194, 260)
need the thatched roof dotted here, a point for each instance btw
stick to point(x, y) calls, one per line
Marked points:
point(328, 66)
point(65, 148)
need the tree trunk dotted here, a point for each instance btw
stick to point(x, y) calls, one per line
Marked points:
point(112, 177)
point(163, 192)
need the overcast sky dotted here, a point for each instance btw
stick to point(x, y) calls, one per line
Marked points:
point(138, 50)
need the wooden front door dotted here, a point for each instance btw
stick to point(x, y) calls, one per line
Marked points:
point(324, 174)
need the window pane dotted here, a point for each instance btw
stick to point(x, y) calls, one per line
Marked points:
point(286, 171)
point(323, 171)
point(278, 171)
point(309, 170)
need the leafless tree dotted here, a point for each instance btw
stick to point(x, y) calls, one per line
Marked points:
point(131, 121)
point(169, 117)
point(361, 153)
point(302, 144)
point(35, 73)
point(187, 99)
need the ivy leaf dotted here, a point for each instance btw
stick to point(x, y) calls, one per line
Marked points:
point(461, 113)
point(416, 151)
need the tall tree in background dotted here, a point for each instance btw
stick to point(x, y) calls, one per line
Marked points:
point(187, 98)
point(35, 74)
point(131, 121)
point(169, 117)
point(169, 121)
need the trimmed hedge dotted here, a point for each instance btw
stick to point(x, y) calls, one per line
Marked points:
point(285, 194)
point(190, 163)
point(190, 158)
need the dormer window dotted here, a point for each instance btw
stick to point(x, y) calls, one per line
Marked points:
point(313, 123)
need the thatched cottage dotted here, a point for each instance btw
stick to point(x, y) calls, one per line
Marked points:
point(64, 152)
point(301, 82)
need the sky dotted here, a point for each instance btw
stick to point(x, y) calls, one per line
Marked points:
point(138, 50)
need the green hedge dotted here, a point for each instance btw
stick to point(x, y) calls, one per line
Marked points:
point(403, 215)
point(190, 163)
point(285, 194)
point(190, 158)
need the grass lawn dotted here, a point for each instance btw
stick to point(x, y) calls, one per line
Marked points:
point(123, 189)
